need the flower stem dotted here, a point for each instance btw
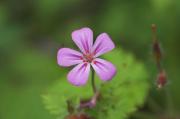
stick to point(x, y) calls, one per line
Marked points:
point(93, 82)
point(91, 102)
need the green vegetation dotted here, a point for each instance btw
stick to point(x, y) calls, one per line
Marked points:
point(119, 97)
point(32, 31)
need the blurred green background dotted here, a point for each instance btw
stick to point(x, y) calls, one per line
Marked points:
point(31, 32)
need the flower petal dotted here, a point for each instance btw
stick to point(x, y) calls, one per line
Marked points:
point(68, 57)
point(103, 44)
point(104, 69)
point(79, 74)
point(83, 39)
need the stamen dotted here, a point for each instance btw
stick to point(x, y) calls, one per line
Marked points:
point(88, 57)
point(94, 62)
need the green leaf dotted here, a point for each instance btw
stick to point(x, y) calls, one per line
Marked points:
point(120, 97)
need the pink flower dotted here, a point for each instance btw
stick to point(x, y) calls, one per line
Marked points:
point(88, 57)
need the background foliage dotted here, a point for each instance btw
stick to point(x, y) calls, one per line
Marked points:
point(31, 32)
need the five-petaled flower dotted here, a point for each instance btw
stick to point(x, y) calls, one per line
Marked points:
point(88, 57)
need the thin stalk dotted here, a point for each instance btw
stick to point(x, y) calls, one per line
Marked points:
point(93, 81)
point(92, 102)
point(169, 102)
